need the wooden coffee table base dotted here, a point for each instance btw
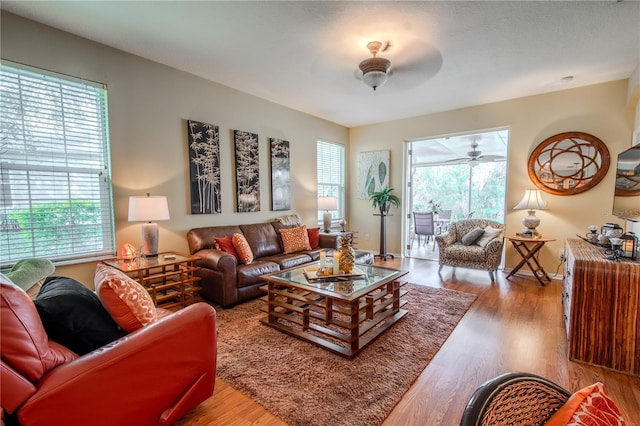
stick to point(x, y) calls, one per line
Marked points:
point(340, 326)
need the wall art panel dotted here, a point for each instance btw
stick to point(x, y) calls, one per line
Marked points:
point(280, 175)
point(247, 171)
point(373, 172)
point(204, 167)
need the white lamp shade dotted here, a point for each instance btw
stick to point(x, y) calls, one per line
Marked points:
point(327, 203)
point(532, 200)
point(148, 208)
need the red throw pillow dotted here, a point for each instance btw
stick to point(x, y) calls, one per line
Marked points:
point(314, 237)
point(225, 244)
point(589, 406)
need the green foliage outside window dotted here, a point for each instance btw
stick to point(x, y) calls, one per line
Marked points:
point(53, 225)
point(479, 190)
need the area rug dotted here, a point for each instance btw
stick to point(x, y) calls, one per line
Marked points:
point(306, 385)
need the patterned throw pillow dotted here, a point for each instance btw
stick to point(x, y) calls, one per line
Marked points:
point(314, 237)
point(489, 235)
point(242, 248)
point(589, 406)
point(295, 239)
point(225, 244)
point(471, 236)
point(128, 303)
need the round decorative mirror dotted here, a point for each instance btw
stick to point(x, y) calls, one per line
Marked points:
point(569, 163)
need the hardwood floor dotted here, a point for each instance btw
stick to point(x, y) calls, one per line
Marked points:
point(513, 325)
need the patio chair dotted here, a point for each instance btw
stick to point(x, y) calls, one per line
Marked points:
point(423, 225)
point(442, 224)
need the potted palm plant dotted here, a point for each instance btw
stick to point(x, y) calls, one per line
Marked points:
point(383, 200)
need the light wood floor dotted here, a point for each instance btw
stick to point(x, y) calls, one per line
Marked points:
point(513, 325)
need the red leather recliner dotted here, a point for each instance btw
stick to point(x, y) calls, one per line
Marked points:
point(152, 376)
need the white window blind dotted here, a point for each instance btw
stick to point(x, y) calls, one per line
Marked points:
point(331, 175)
point(55, 175)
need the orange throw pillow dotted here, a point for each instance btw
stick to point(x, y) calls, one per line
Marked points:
point(242, 247)
point(128, 303)
point(314, 237)
point(295, 239)
point(589, 406)
point(225, 244)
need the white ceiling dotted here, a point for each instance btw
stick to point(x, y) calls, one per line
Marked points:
point(304, 55)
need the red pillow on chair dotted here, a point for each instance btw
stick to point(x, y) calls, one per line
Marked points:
point(589, 406)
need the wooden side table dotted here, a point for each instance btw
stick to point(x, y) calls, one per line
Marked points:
point(170, 278)
point(527, 248)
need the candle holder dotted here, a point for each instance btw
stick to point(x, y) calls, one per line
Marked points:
point(615, 252)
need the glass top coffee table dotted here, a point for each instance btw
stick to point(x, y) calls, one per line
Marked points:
point(340, 314)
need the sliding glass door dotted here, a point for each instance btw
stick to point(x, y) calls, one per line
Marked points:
point(464, 174)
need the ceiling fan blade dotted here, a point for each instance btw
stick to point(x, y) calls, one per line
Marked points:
point(490, 158)
point(416, 64)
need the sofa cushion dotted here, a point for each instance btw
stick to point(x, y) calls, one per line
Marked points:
point(245, 254)
point(225, 244)
point(128, 303)
point(73, 315)
point(293, 259)
point(262, 239)
point(295, 239)
point(24, 344)
point(250, 274)
point(471, 236)
point(314, 237)
point(487, 236)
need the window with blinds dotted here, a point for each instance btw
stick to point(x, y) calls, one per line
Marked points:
point(55, 175)
point(331, 176)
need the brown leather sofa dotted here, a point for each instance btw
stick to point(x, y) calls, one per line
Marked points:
point(152, 376)
point(228, 283)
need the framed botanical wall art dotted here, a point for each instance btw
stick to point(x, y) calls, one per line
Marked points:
point(247, 171)
point(280, 175)
point(204, 167)
point(373, 172)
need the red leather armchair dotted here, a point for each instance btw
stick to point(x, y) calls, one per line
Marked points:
point(152, 376)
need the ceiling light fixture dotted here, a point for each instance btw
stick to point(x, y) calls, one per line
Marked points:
point(374, 70)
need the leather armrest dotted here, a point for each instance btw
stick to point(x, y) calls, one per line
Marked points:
point(216, 259)
point(331, 241)
point(15, 388)
point(134, 379)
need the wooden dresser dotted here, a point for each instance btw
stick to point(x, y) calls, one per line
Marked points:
point(601, 301)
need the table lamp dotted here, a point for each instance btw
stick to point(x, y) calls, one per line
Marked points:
point(531, 201)
point(147, 209)
point(326, 204)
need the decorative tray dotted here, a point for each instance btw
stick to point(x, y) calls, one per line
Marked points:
point(311, 272)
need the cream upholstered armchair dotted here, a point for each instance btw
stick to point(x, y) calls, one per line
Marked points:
point(458, 247)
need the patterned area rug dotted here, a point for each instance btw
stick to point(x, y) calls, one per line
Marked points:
point(305, 385)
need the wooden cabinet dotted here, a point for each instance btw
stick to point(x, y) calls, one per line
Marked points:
point(601, 301)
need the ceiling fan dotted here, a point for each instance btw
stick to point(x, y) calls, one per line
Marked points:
point(475, 157)
point(414, 62)
point(375, 70)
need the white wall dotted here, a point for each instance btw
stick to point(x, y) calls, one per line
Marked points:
point(600, 110)
point(149, 104)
